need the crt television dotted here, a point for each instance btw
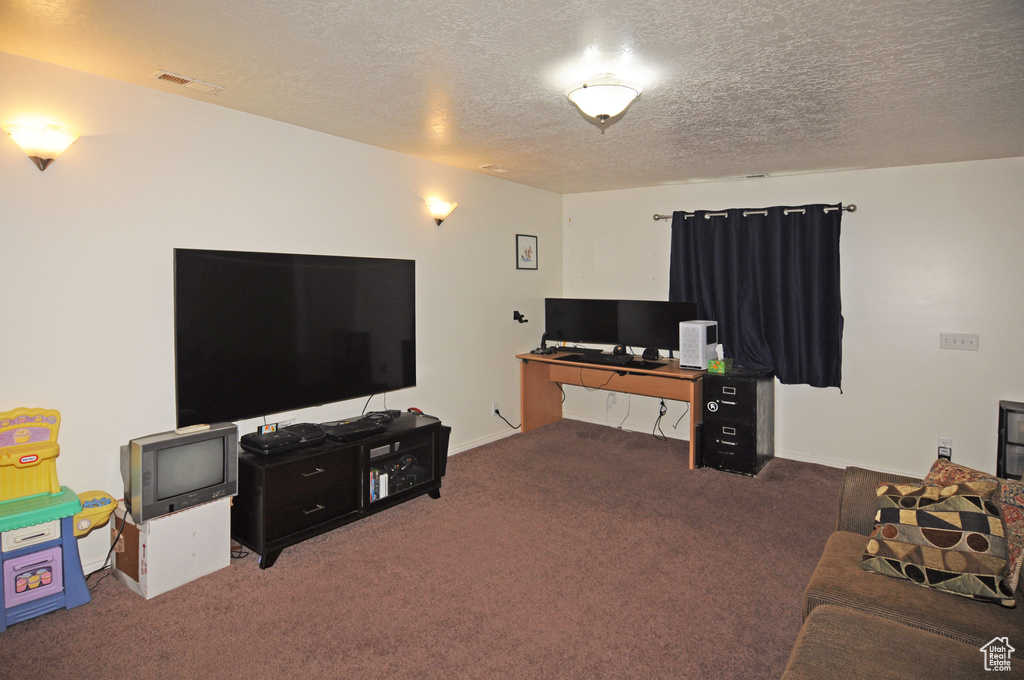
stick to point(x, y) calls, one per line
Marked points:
point(581, 320)
point(167, 472)
point(263, 333)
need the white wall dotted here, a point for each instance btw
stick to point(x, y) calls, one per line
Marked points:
point(85, 265)
point(930, 248)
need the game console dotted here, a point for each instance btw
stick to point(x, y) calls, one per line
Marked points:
point(271, 443)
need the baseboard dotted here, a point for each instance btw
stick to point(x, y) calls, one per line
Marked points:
point(94, 565)
point(466, 446)
point(827, 462)
point(841, 464)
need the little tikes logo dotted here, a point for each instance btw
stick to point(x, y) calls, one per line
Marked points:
point(31, 458)
point(997, 653)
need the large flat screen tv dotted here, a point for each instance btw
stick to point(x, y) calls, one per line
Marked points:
point(263, 333)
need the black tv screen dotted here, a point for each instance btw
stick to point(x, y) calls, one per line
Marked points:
point(262, 333)
point(653, 323)
point(580, 320)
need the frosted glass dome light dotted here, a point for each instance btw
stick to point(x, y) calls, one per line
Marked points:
point(603, 96)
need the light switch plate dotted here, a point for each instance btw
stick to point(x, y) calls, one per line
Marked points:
point(965, 341)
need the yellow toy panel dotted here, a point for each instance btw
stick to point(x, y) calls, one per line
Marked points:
point(28, 452)
point(96, 509)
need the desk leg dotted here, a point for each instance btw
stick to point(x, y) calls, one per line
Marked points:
point(696, 416)
point(540, 399)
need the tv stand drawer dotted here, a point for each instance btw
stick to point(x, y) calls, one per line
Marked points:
point(309, 509)
point(306, 474)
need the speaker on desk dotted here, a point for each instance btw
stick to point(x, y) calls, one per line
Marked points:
point(697, 341)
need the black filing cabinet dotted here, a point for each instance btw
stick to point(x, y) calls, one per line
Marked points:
point(738, 433)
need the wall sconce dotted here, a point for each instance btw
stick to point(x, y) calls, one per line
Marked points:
point(603, 96)
point(439, 209)
point(42, 144)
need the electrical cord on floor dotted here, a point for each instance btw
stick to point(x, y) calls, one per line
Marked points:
point(96, 585)
point(514, 427)
point(106, 560)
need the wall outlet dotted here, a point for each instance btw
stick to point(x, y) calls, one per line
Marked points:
point(494, 408)
point(966, 341)
point(946, 448)
point(610, 401)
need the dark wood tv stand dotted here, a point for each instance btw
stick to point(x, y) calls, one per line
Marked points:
point(285, 499)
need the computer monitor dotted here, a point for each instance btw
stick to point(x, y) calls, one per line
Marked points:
point(579, 320)
point(654, 324)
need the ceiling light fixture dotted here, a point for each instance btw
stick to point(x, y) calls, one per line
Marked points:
point(42, 144)
point(439, 209)
point(603, 96)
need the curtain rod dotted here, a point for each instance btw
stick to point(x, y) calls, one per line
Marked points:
point(846, 208)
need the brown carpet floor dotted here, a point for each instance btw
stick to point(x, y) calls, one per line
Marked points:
point(575, 551)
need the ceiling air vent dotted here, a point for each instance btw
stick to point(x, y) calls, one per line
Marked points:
point(490, 167)
point(191, 83)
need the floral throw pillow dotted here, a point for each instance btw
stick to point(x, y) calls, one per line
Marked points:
point(949, 538)
point(1010, 499)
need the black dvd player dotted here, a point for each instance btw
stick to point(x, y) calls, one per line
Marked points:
point(351, 430)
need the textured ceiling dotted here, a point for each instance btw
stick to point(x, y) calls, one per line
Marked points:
point(731, 87)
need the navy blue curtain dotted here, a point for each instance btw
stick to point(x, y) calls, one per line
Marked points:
point(770, 278)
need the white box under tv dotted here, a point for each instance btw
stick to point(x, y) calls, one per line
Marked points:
point(697, 342)
point(169, 551)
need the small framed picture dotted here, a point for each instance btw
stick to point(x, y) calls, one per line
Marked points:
point(526, 251)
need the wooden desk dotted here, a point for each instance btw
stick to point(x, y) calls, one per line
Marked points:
point(541, 398)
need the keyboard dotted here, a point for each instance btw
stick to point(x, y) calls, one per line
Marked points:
point(586, 351)
point(600, 359)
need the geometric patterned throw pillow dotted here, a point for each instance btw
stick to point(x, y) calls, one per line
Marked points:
point(949, 538)
point(1009, 498)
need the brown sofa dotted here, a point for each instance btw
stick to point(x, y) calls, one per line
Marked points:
point(863, 625)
